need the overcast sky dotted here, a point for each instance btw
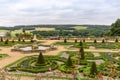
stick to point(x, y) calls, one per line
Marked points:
point(20, 12)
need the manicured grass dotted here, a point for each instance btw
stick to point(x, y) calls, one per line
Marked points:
point(4, 30)
point(10, 43)
point(2, 56)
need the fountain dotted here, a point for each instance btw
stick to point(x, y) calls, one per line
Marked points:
point(35, 47)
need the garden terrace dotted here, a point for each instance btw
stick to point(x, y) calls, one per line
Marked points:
point(98, 45)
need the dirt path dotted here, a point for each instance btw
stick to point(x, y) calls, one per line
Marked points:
point(13, 56)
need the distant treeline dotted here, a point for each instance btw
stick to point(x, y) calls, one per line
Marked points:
point(65, 30)
point(57, 27)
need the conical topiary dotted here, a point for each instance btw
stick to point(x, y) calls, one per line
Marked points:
point(83, 40)
point(95, 41)
point(93, 70)
point(13, 41)
point(6, 41)
point(81, 44)
point(69, 62)
point(19, 39)
point(82, 54)
point(103, 41)
point(41, 59)
point(65, 40)
point(1, 39)
point(116, 40)
point(75, 40)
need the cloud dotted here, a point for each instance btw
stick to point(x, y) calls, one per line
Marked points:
point(18, 12)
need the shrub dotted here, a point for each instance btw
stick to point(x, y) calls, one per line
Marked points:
point(65, 40)
point(19, 39)
point(93, 70)
point(41, 59)
point(1, 39)
point(95, 41)
point(75, 40)
point(6, 41)
point(69, 62)
point(116, 40)
point(81, 44)
point(103, 41)
point(81, 52)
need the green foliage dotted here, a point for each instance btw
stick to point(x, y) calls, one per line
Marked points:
point(75, 40)
point(19, 39)
point(115, 28)
point(41, 59)
point(6, 41)
point(103, 41)
point(69, 62)
point(13, 41)
point(84, 40)
point(81, 44)
point(31, 40)
point(93, 70)
point(81, 52)
point(95, 41)
point(1, 39)
point(65, 40)
point(23, 40)
point(116, 40)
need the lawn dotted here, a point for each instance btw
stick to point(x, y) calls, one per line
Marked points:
point(44, 29)
point(80, 27)
point(4, 30)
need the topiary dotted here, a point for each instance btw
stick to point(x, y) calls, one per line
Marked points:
point(81, 52)
point(23, 40)
point(103, 41)
point(116, 40)
point(13, 41)
point(69, 62)
point(93, 70)
point(75, 40)
point(19, 39)
point(41, 59)
point(65, 40)
point(6, 41)
point(83, 40)
point(95, 41)
point(81, 44)
point(1, 39)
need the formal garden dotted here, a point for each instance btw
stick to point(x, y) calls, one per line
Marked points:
point(98, 45)
point(72, 57)
point(70, 64)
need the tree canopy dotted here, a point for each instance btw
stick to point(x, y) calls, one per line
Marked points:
point(115, 28)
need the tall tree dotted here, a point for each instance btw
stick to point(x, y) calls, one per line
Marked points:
point(115, 28)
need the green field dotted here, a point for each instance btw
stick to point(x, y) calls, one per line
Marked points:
point(80, 27)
